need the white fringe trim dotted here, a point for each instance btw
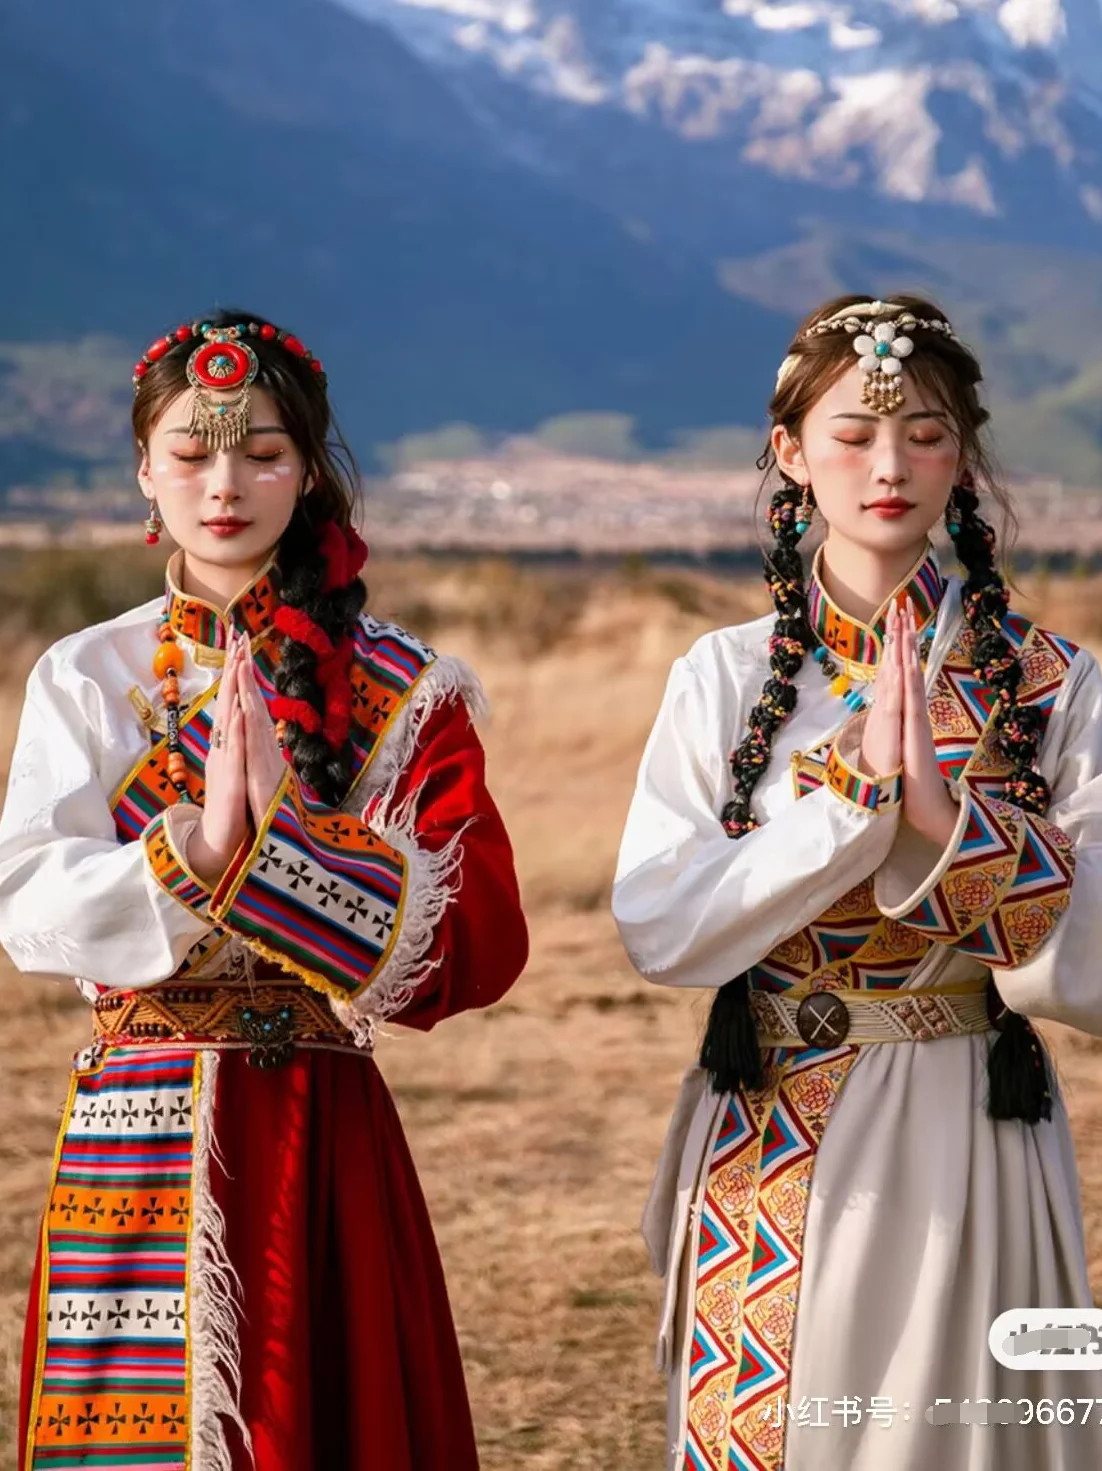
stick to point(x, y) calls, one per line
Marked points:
point(432, 882)
point(445, 678)
point(213, 1289)
point(432, 879)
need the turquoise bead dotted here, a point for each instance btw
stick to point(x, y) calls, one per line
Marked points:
point(883, 349)
point(953, 528)
point(802, 526)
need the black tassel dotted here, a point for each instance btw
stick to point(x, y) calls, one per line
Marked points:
point(730, 1052)
point(1018, 1071)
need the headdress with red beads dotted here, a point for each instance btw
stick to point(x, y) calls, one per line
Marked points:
point(220, 371)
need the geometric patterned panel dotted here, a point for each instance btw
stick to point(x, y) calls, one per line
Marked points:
point(749, 1247)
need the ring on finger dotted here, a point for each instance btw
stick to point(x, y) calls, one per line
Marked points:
point(216, 738)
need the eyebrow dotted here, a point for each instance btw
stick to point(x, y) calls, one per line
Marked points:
point(260, 429)
point(908, 418)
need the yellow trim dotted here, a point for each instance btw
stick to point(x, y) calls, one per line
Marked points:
point(189, 714)
point(44, 1270)
point(312, 978)
point(176, 561)
point(145, 710)
point(881, 612)
point(836, 762)
point(957, 988)
point(385, 728)
point(196, 1093)
point(166, 827)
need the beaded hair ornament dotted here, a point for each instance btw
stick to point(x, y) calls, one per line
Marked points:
point(881, 352)
point(220, 370)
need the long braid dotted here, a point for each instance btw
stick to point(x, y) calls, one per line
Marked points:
point(302, 563)
point(730, 1051)
point(1018, 1069)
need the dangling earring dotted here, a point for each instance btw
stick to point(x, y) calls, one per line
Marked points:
point(952, 515)
point(806, 510)
point(153, 526)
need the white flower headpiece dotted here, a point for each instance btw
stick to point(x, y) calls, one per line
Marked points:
point(881, 352)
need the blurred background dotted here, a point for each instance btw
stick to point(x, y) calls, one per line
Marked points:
point(551, 254)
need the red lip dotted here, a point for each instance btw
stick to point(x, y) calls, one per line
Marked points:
point(226, 526)
point(890, 508)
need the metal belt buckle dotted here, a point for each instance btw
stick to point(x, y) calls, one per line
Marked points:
point(270, 1032)
point(822, 1019)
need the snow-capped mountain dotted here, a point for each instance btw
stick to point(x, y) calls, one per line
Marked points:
point(992, 107)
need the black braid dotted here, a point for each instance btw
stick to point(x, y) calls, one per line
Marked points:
point(730, 1052)
point(1019, 1076)
point(302, 572)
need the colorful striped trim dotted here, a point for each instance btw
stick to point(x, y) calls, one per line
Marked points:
point(318, 892)
point(112, 1386)
point(250, 612)
point(862, 643)
point(169, 868)
point(874, 794)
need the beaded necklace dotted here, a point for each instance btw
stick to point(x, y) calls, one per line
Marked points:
point(853, 692)
point(168, 661)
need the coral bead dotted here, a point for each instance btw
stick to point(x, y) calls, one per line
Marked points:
point(166, 633)
point(316, 366)
point(292, 344)
point(151, 538)
point(183, 332)
point(167, 659)
point(159, 348)
point(140, 370)
point(267, 332)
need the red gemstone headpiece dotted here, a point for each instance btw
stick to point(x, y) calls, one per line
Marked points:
point(242, 331)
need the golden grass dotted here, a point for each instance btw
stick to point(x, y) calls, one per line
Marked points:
point(535, 1125)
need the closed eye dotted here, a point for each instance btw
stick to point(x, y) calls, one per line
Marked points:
point(266, 459)
point(188, 459)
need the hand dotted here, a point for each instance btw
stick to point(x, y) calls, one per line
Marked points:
point(882, 738)
point(265, 765)
point(927, 805)
point(225, 819)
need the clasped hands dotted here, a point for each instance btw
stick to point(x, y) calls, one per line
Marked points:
point(244, 768)
point(897, 732)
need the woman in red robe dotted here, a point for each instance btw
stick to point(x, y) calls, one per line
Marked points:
point(252, 822)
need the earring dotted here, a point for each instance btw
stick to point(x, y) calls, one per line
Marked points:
point(806, 510)
point(952, 515)
point(153, 526)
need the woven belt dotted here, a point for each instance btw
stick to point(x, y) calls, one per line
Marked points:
point(831, 1018)
point(270, 1019)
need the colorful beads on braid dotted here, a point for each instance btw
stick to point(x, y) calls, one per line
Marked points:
point(1018, 1074)
point(730, 1052)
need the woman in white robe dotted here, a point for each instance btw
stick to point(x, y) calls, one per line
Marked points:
point(897, 867)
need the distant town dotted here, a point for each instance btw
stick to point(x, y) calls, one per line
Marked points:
point(531, 500)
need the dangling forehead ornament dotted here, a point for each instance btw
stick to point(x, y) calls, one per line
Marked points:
point(881, 351)
point(221, 370)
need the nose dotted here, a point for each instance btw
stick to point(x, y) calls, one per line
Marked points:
point(891, 467)
point(221, 483)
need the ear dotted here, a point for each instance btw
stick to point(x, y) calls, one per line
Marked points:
point(145, 474)
point(790, 459)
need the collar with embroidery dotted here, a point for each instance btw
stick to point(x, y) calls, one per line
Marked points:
point(252, 610)
point(861, 643)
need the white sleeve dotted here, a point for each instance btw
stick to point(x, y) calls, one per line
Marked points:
point(697, 908)
point(75, 901)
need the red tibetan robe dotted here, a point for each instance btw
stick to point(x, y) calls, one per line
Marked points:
point(236, 1248)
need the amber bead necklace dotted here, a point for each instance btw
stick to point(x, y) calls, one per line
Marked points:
point(168, 661)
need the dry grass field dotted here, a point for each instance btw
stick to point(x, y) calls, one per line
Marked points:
point(535, 1125)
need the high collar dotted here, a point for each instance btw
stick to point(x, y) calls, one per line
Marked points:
point(251, 611)
point(862, 643)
